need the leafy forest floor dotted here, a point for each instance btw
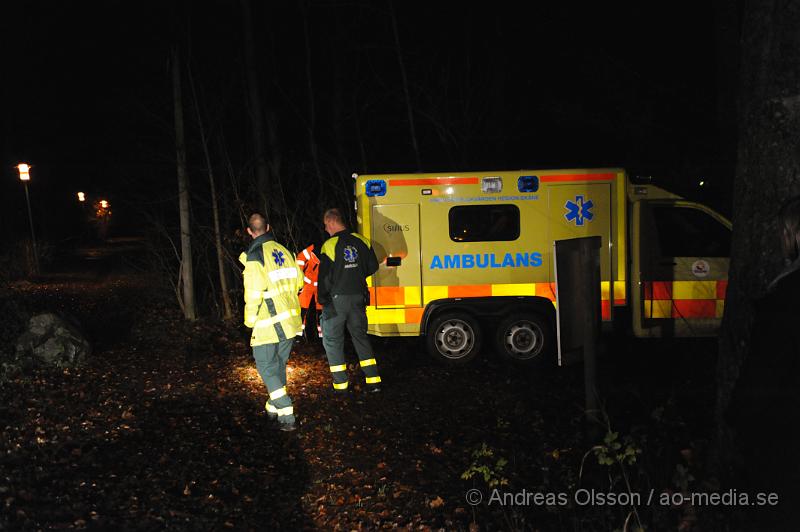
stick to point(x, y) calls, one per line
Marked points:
point(165, 428)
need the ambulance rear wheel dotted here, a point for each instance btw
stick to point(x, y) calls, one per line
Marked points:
point(525, 338)
point(454, 339)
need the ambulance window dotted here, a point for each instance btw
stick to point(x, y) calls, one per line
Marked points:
point(688, 232)
point(484, 223)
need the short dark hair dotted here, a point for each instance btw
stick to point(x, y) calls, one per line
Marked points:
point(335, 215)
point(257, 223)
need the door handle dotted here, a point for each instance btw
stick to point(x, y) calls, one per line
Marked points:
point(393, 261)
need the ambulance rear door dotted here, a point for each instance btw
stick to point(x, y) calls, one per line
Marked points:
point(396, 241)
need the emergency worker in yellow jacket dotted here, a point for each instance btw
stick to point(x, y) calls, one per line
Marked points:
point(272, 309)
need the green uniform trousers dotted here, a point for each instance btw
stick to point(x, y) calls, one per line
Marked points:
point(347, 310)
point(271, 364)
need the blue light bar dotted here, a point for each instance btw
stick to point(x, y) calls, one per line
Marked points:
point(528, 183)
point(376, 187)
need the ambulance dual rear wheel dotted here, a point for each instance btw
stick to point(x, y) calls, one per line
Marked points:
point(525, 338)
point(454, 339)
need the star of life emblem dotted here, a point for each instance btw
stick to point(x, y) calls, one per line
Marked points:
point(350, 254)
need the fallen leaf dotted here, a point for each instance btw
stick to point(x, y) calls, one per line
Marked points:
point(438, 502)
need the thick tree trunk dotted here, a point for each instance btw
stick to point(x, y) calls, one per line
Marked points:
point(256, 113)
point(187, 277)
point(223, 281)
point(767, 172)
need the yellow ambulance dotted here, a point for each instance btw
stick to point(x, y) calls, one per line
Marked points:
point(466, 259)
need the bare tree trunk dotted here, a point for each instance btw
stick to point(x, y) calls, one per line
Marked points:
point(187, 278)
point(338, 106)
point(312, 116)
point(359, 138)
point(409, 109)
point(256, 116)
point(274, 160)
point(223, 282)
point(235, 181)
point(767, 173)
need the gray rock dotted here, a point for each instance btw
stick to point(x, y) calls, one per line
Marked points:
point(53, 341)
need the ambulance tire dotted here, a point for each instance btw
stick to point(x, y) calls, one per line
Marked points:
point(454, 339)
point(525, 339)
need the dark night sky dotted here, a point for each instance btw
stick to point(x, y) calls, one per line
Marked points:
point(86, 96)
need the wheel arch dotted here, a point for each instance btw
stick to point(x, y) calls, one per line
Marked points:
point(483, 308)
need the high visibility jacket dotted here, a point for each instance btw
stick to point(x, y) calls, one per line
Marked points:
point(309, 263)
point(271, 282)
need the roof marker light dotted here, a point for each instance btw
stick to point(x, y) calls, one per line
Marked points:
point(492, 184)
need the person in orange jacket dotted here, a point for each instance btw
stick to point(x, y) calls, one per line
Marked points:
point(309, 263)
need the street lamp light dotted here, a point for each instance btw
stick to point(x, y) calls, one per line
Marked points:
point(24, 172)
point(81, 197)
point(25, 176)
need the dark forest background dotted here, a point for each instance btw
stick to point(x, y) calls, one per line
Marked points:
point(343, 87)
point(378, 87)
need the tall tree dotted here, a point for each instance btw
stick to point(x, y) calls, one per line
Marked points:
point(186, 275)
point(409, 109)
point(227, 309)
point(312, 112)
point(256, 113)
point(768, 169)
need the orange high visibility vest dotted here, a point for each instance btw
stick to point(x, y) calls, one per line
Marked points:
point(309, 263)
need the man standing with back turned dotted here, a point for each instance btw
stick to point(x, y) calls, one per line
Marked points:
point(346, 260)
point(272, 309)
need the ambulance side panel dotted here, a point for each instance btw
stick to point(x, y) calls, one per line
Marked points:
point(428, 232)
point(580, 210)
point(454, 268)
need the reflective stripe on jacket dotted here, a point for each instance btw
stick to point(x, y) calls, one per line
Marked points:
point(271, 282)
point(309, 263)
